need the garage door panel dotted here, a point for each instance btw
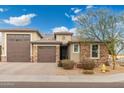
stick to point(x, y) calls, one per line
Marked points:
point(46, 54)
point(18, 48)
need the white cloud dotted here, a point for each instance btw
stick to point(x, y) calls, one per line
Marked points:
point(72, 9)
point(74, 18)
point(3, 10)
point(73, 30)
point(64, 29)
point(67, 15)
point(22, 20)
point(76, 10)
point(60, 29)
point(89, 6)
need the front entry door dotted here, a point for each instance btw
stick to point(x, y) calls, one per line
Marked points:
point(63, 52)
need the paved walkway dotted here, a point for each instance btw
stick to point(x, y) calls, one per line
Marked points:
point(31, 72)
point(55, 78)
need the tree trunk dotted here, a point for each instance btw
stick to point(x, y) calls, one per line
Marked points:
point(113, 62)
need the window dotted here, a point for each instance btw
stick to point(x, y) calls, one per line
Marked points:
point(76, 48)
point(95, 51)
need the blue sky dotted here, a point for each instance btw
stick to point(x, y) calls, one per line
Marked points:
point(44, 18)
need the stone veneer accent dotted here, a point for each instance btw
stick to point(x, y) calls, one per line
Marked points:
point(85, 53)
point(34, 53)
point(57, 53)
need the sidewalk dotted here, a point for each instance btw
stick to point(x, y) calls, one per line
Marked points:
point(52, 78)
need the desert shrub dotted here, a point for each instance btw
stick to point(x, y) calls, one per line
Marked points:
point(67, 64)
point(88, 65)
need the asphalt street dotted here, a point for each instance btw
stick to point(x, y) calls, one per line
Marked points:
point(60, 85)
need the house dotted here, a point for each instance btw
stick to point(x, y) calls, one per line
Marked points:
point(28, 45)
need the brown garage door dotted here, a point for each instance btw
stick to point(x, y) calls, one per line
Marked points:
point(18, 47)
point(46, 54)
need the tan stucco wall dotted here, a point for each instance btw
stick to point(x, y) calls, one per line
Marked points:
point(67, 38)
point(73, 56)
point(35, 52)
point(34, 36)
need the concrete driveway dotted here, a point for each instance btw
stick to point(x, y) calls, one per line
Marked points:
point(27, 68)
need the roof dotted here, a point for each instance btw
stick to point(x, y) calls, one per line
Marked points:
point(76, 39)
point(48, 36)
point(87, 41)
point(63, 33)
point(44, 41)
point(21, 30)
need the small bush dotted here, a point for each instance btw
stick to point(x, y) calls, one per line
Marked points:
point(67, 64)
point(88, 65)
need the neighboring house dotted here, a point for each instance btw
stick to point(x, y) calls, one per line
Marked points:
point(27, 45)
point(119, 56)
